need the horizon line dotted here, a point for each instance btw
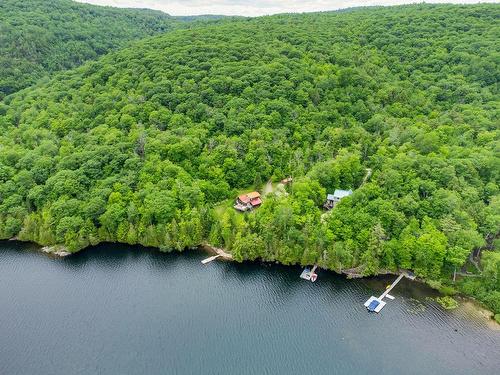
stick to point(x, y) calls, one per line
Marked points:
point(371, 4)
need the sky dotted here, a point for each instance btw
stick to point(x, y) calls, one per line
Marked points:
point(254, 7)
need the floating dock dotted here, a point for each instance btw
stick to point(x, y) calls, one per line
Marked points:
point(309, 274)
point(208, 260)
point(306, 274)
point(375, 304)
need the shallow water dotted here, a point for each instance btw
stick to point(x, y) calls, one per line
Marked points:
point(125, 310)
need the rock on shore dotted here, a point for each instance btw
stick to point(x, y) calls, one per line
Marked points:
point(56, 250)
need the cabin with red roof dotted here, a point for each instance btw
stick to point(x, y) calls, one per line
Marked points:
point(248, 201)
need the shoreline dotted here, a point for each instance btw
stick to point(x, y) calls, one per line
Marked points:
point(470, 306)
point(466, 302)
point(217, 251)
point(58, 251)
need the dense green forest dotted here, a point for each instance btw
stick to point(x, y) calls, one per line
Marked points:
point(38, 37)
point(150, 145)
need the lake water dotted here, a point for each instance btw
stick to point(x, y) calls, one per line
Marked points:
point(125, 310)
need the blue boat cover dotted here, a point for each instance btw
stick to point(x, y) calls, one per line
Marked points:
point(373, 305)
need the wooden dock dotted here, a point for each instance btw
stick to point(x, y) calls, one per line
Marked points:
point(380, 303)
point(382, 296)
point(208, 260)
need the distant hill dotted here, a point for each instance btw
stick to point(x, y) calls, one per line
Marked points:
point(39, 37)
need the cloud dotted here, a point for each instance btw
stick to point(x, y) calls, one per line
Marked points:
point(253, 7)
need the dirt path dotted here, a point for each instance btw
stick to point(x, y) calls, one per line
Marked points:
point(268, 188)
point(367, 176)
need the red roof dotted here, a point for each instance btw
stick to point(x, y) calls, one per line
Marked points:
point(244, 198)
point(256, 202)
point(253, 195)
point(248, 198)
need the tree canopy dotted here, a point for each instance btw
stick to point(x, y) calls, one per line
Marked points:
point(39, 37)
point(148, 144)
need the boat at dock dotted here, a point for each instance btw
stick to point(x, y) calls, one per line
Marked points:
point(309, 274)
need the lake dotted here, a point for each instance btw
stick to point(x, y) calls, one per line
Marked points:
point(129, 310)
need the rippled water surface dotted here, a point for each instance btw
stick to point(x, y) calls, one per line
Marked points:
point(124, 310)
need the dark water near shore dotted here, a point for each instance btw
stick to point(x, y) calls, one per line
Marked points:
point(123, 310)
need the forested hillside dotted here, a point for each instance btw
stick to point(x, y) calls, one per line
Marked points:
point(39, 37)
point(148, 145)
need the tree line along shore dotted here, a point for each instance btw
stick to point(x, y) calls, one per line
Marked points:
point(151, 144)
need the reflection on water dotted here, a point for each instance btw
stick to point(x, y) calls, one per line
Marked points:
point(128, 310)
